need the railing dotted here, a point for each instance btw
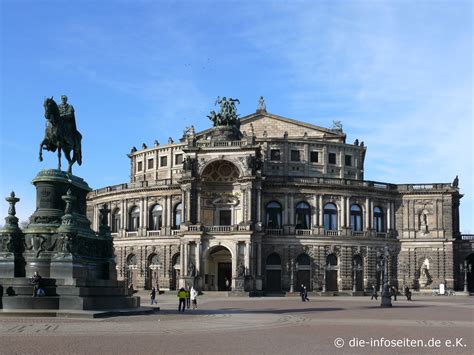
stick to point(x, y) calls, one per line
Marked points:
point(467, 236)
point(304, 232)
point(418, 187)
point(153, 233)
point(175, 232)
point(220, 144)
point(133, 185)
point(381, 235)
point(271, 231)
point(219, 229)
point(331, 181)
point(357, 233)
point(331, 233)
point(131, 234)
point(114, 235)
point(193, 228)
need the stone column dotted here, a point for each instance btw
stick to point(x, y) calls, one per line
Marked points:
point(291, 209)
point(321, 211)
point(143, 219)
point(249, 203)
point(188, 205)
point(258, 281)
point(342, 223)
point(186, 259)
point(371, 215)
point(183, 206)
point(285, 211)
point(235, 259)
point(198, 257)
point(198, 205)
point(259, 205)
point(247, 256)
point(315, 211)
point(125, 216)
point(367, 214)
point(348, 211)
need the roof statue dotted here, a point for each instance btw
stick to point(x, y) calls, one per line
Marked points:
point(261, 107)
point(228, 114)
point(336, 126)
point(61, 133)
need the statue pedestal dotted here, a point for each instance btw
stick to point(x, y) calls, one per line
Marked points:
point(238, 283)
point(186, 281)
point(76, 264)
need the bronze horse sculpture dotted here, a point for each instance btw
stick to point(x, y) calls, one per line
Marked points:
point(61, 135)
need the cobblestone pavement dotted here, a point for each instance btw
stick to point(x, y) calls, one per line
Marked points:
point(225, 325)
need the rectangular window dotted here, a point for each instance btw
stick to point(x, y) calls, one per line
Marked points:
point(139, 166)
point(150, 163)
point(295, 155)
point(348, 160)
point(275, 154)
point(332, 158)
point(163, 161)
point(313, 157)
point(178, 159)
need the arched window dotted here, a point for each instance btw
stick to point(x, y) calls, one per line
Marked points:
point(378, 220)
point(330, 217)
point(156, 217)
point(356, 218)
point(357, 261)
point(177, 216)
point(116, 220)
point(303, 216)
point(274, 259)
point(303, 259)
point(273, 214)
point(134, 219)
point(331, 260)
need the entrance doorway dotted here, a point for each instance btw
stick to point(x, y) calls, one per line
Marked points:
point(303, 271)
point(224, 276)
point(331, 273)
point(218, 269)
point(273, 272)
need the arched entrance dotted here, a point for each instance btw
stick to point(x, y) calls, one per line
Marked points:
point(303, 271)
point(331, 273)
point(218, 269)
point(152, 277)
point(273, 270)
point(175, 271)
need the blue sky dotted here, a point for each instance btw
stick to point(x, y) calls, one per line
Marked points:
point(398, 74)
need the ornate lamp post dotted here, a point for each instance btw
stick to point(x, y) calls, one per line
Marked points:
point(380, 268)
point(386, 296)
point(356, 267)
point(466, 268)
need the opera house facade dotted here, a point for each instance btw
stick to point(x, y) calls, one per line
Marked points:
point(265, 203)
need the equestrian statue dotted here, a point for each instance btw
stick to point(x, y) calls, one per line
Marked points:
point(61, 133)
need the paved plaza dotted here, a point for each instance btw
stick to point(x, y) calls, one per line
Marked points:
point(273, 325)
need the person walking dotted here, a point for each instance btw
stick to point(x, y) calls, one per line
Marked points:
point(182, 299)
point(394, 292)
point(194, 295)
point(408, 293)
point(306, 294)
point(374, 293)
point(153, 296)
point(302, 293)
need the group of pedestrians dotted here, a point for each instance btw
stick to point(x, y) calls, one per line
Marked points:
point(186, 297)
point(393, 293)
